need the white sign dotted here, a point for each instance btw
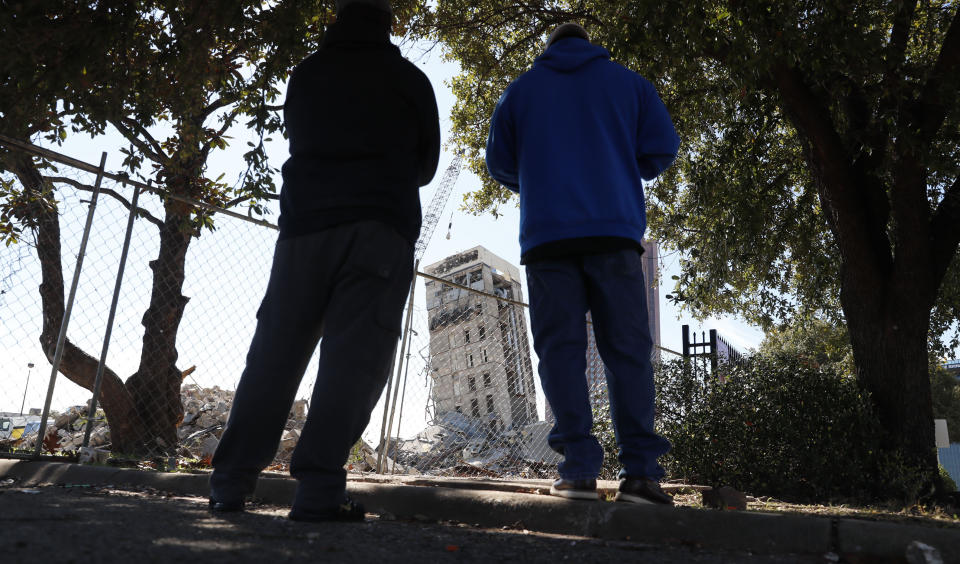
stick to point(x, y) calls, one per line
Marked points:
point(943, 438)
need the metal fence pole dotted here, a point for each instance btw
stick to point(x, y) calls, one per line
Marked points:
point(403, 392)
point(714, 360)
point(61, 339)
point(101, 366)
point(403, 396)
point(385, 440)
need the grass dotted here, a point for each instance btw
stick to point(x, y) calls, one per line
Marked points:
point(917, 514)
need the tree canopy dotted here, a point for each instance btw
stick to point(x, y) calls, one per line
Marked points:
point(741, 202)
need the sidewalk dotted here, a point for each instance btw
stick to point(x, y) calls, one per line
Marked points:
point(496, 504)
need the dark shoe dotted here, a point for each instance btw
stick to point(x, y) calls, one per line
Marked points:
point(226, 505)
point(349, 510)
point(575, 489)
point(642, 490)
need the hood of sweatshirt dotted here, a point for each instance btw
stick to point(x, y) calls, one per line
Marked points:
point(569, 54)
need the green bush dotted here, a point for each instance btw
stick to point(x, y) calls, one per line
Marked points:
point(603, 431)
point(778, 425)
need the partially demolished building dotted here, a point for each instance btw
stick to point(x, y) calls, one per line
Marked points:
point(479, 351)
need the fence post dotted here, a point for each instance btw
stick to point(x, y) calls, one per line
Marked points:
point(61, 339)
point(403, 394)
point(101, 366)
point(385, 441)
point(685, 335)
point(714, 351)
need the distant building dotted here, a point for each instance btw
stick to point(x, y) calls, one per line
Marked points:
point(479, 352)
point(953, 367)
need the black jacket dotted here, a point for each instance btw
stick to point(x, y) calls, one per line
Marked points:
point(364, 134)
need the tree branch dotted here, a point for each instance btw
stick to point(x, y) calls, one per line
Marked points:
point(899, 37)
point(214, 106)
point(890, 86)
point(130, 129)
point(80, 186)
point(940, 91)
point(147, 136)
point(227, 122)
point(945, 231)
point(859, 229)
point(241, 199)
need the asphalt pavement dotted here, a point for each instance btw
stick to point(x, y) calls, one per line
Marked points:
point(164, 515)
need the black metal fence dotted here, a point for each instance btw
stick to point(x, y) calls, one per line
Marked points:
point(710, 346)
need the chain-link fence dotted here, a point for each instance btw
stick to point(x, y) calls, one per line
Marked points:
point(165, 346)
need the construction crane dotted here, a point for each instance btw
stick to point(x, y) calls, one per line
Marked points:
point(430, 219)
point(439, 201)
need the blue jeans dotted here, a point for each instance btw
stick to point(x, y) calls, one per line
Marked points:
point(610, 286)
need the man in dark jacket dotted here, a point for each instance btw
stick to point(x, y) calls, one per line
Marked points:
point(576, 136)
point(364, 136)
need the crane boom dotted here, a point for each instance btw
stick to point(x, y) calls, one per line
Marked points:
point(439, 201)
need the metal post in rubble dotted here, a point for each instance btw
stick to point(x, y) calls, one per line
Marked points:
point(101, 366)
point(385, 438)
point(386, 405)
point(403, 392)
point(61, 339)
point(403, 396)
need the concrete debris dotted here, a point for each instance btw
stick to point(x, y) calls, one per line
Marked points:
point(90, 455)
point(456, 444)
point(205, 413)
point(206, 448)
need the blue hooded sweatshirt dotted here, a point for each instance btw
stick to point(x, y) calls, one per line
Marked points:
point(576, 135)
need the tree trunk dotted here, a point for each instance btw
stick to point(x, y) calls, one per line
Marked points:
point(889, 281)
point(156, 385)
point(889, 342)
point(75, 364)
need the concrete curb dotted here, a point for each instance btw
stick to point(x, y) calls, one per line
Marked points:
point(648, 524)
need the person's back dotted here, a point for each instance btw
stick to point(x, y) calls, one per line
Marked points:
point(592, 131)
point(364, 135)
point(363, 129)
point(576, 136)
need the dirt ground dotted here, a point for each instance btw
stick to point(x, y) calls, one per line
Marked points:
point(91, 524)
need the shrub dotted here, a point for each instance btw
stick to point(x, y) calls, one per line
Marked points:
point(603, 431)
point(948, 484)
point(778, 425)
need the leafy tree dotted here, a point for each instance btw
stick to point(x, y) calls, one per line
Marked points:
point(175, 79)
point(814, 341)
point(823, 345)
point(820, 166)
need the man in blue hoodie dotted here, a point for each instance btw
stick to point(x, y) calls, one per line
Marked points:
point(576, 136)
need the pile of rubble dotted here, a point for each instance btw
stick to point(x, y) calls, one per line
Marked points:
point(458, 445)
point(205, 412)
point(64, 431)
point(453, 445)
